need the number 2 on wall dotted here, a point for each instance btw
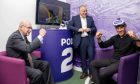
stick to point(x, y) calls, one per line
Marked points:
point(64, 66)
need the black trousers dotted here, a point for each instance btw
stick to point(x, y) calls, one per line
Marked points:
point(87, 53)
point(103, 69)
point(41, 73)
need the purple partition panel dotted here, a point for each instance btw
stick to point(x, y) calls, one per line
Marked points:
point(105, 11)
point(57, 50)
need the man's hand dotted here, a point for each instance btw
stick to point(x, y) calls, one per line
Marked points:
point(132, 34)
point(98, 36)
point(42, 32)
point(87, 30)
point(81, 30)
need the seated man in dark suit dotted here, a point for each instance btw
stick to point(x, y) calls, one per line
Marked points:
point(18, 46)
point(124, 43)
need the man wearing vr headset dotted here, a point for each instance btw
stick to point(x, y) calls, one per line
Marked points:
point(124, 43)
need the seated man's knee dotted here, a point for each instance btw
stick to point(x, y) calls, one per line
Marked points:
point(37, 74)
point(37, 77)
point(93, 63)
point(46, 65)
point(104, 74)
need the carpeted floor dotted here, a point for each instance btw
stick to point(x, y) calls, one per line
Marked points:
point(75, 79)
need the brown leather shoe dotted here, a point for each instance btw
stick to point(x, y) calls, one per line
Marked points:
point(83, 75)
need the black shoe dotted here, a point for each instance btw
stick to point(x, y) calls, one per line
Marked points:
point(93, 83)
point(84, 75)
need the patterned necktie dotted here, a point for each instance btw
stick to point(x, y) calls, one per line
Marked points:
point(29, 55)
point(30, 60)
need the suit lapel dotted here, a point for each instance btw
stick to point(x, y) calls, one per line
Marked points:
point(23, 37)
point(88, 21)
point(79, 21)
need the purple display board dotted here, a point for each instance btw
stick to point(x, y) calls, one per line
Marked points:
point(57, 50)
point(105, 11)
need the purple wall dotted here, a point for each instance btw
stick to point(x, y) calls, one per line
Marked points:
point(105, 11)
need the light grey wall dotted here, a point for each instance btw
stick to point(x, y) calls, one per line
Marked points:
point(11, 13)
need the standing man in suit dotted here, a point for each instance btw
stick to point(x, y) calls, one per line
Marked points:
point(18, 46)
point(84, 30)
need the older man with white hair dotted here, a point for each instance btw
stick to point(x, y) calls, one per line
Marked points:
point(18, 46)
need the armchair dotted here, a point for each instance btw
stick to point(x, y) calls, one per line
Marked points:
point(128, 67)
point(128, 70)
point(12, 70)
point(104, 53)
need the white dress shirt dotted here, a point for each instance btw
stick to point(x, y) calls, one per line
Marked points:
point(84, 26)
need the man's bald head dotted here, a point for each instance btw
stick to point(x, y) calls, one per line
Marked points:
point(83, 11)
point(25, 22)
point(25, 27)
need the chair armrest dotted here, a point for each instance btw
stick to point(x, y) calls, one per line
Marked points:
point(36, 53)
point(128, 69)
point(104, 53)
point(12, 70)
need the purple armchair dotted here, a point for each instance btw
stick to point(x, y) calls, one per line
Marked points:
point(128, 67)
point(104, 53)
point(12, 70)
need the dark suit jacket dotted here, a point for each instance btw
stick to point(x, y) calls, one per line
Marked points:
point(74, 26)
point(17, 47)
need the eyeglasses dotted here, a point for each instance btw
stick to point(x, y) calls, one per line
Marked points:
point(27, 27)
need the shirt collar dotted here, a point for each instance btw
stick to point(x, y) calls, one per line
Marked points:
point(82, 17)
point(126, 35)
